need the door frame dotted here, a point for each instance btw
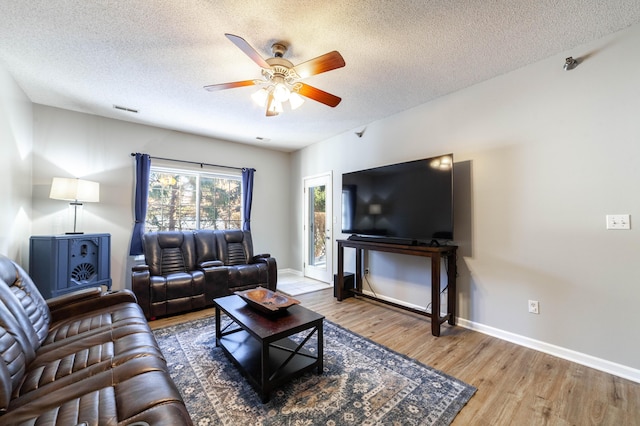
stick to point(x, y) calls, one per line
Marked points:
point(320, 274)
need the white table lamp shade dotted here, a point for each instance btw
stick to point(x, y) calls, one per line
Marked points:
point(75, 190)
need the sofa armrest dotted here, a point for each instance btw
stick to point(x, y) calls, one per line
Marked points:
point(141, 286)
point(272, 270)
point(80, 307)
point(140, 268)
point(216, 280)
point(256, 257)
point(58, 302)
point(210, 264)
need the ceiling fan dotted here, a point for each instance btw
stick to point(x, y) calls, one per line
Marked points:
point(281, 79)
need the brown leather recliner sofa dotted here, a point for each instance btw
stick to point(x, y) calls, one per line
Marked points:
point(84, 358)
point(186, 270)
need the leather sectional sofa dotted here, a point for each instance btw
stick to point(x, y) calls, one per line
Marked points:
point(84, 358)
point(186, 270)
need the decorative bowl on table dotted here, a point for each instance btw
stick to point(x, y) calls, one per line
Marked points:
point(267, 301)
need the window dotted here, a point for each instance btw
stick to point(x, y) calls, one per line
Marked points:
point(186, 199)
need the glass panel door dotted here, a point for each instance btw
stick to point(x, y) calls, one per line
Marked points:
point(318, 220)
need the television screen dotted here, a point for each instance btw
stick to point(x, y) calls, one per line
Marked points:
point(407, 201)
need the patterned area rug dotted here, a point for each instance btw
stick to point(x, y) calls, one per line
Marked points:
point(363, 384)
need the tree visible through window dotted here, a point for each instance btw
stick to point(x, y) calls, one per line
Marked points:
point(184, 200)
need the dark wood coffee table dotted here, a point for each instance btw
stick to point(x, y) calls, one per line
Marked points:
point(259, 344)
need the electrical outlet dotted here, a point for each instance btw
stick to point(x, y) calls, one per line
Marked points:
point(366, 271)
point(618, 221)
point(534, 307)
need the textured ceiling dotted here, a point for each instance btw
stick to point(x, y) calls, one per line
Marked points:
point(156, 55)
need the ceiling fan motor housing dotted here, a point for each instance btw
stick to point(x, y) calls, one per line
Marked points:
point(278, 49)
point(283, 68)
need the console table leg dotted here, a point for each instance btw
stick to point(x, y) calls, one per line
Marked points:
point(451, 288)
point(340, 277)
point(359, 262)
point(435, 296)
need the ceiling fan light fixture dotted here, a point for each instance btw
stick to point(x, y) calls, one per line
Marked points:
point(281, 92)
point(274, 107)
point(295, 100)
point(260, 97)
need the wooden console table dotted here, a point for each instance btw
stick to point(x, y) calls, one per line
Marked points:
point(435, 253)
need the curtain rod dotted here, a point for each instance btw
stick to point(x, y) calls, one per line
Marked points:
point(201, 164)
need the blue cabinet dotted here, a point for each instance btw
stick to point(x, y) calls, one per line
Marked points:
point(60, 264)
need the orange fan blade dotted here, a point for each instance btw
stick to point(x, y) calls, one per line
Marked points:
point(318, 95)
point(214, 87)
point(248, 50)
point(327, 62)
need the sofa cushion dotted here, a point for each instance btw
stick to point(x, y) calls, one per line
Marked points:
point(247, 276)
point(235, 253)
point(82, 326)
point(108, 397)
point(13, 361)
point(206, 248)
point(177, 292)
point(235, 247)
point(84, 358)
point(172, 261)
point(31, 305)
point(175, 247)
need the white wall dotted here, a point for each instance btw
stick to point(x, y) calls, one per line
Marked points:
point(71, 144)
point(542, 155)
point(16, 143)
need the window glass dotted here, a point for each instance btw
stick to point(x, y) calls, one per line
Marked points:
point(186, 200)
point(220, 203)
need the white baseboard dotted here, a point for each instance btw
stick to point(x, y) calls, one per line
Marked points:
point(558, 351)
point(570, 355)
point(290, 271)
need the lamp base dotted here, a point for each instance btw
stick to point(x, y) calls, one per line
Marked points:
point(73, 233)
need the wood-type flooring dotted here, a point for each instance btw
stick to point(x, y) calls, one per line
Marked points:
point(516, 385)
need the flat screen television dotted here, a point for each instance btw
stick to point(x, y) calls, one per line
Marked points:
point(409, 203)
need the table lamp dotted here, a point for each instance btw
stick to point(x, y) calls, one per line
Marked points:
point(77, 191)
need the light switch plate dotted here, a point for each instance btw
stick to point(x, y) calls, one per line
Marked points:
point(618, 221)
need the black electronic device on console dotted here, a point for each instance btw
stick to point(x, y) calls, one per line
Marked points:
point(388, 240)
point(407, 203)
